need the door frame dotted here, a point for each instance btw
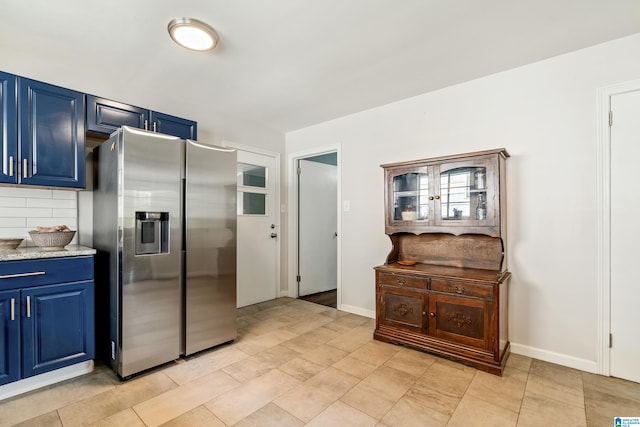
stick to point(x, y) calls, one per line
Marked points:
point(292, 177)
point(603, 221)
point(277, 207)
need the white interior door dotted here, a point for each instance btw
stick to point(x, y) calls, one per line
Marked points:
point(625, 234)
point(258, 228)
point(317, 233)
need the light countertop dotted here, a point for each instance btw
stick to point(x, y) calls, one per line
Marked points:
point(37, 252)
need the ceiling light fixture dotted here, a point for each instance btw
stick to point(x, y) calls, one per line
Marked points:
point(192, 34)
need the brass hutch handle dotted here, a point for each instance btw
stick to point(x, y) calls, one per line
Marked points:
point(432, 314)
point(401, 282)
point(459, 290)
point(437, 197)
point(430, 197)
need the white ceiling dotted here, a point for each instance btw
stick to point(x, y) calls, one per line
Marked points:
point(288, 64)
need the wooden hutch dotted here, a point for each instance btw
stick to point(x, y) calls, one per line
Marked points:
point(443, 287)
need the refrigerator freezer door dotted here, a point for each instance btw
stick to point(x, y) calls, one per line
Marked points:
point(151, 292)
point(210, 217)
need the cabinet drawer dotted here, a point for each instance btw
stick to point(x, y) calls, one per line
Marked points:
point(27, 273)
point(462, 288)
point(387, 279)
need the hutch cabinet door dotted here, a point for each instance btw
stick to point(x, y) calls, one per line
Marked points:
point(402, 309)
point(8, 123)
point(52, 135)
point(460, 320)
point(57, 326)
point(104, 116)
point(9, 336)
point(409, 191)
point(468, 193)
point(176, 126)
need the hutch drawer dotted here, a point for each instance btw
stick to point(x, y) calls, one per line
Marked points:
point(462, 288)
point(390, 279)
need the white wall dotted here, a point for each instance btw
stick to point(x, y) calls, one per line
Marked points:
point(544, 114)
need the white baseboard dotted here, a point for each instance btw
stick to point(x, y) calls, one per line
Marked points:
point(286, 293)
point(357, 310)
point(32, 383)
point(558, 358)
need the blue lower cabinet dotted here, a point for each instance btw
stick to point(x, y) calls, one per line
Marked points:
point(9, 336)
point(47, 316)
point(57, 327)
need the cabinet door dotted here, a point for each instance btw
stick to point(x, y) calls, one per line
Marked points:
point(52, 135)
point(467, 193)
point(409, 193)
point(57, 326)
point(8, 123)
point(175, 126)
point(104, 116)
point(403, 309)
point(460, 320)
point(9, 336)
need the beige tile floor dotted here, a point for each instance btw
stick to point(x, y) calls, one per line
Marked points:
point(296, 363)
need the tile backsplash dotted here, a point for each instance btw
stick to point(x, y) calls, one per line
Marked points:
point(24, 209)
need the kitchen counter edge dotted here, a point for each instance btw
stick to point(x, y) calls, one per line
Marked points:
point(39, 253)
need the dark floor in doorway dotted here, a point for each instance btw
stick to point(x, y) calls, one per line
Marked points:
point(328, 298)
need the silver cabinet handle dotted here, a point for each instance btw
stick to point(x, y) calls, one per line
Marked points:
point(10, 165)
point(11, 276)
point(13, 309)
point(154, 127)
point(28, 306)
point(24, 168)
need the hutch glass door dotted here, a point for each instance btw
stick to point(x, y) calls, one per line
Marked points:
point(466, 194)
point(410, 196)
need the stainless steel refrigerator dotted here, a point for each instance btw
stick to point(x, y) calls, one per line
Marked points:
point(164, 215)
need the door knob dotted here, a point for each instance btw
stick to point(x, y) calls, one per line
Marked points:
point(274, 235)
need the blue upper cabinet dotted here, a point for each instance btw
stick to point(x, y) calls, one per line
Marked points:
point(8, 122)
point(104, 116)
point(171, 125)
point(51, 136)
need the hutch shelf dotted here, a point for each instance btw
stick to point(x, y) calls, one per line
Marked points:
point(443, 287)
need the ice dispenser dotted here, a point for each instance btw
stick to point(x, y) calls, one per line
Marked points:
point(152, 233)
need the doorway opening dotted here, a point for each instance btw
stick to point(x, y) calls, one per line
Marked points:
point(315, 233)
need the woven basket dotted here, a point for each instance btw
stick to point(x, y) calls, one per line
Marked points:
point(52, 240)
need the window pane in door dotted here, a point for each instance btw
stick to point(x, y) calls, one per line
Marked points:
point(252, 175)
point(252, 203)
